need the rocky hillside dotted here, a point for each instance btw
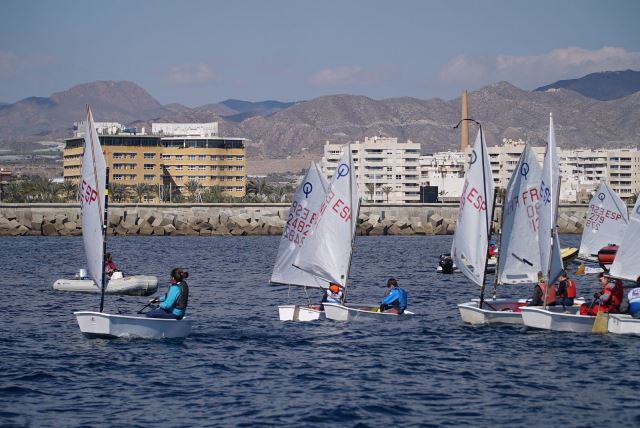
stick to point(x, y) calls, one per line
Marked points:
point(604, 86)
point(279, 130)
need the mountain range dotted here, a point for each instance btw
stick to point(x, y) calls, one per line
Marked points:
point(598, 110)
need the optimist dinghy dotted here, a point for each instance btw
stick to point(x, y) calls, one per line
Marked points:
point(94, 205)
point(327, 253)
point(301, 222)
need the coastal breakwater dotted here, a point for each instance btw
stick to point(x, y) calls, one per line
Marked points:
point(240, 219)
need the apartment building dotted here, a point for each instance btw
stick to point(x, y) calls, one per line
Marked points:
point(444, 170)
point(171, 156)
point(387, 171)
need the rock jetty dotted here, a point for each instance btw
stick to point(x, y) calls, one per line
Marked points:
point(239, 220)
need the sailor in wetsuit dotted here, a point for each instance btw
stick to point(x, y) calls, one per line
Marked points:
point(395, 300)
point(173, 305)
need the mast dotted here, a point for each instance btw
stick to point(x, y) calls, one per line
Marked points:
point(352, 169)
point(486, 214)
point(554, 208)
point(496, 274)
point(105, 221)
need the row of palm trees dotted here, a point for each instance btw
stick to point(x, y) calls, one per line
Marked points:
point(39, 189)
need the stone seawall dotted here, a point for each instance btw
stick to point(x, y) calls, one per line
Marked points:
point(239, 219)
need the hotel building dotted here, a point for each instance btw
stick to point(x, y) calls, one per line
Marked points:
point(169, 157)
point(386, 170)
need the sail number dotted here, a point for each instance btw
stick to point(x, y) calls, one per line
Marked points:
point(598, 215)
point(336, 205)
point(299, 223)
point(87, 193)
point(473, 197)
point(529, 199)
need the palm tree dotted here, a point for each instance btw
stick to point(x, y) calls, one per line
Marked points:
point(213, 194)
point(70, 191)
point(370, 189)
point(117, 192)
point(387, 190)
point(142, 190)
point(258, 187)
point(193, 187)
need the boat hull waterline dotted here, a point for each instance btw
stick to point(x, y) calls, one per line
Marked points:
point(556, 319)
point(493, 311)
point(102, 325)
point(623, 324)
point(302, 313)
point(137, 285)
point(337, 312)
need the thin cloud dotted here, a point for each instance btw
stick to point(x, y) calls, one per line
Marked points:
point(191, 73)
point(352, 75)
point(535, 70)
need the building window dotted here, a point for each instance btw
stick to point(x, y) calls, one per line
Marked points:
point(149, 177)
point(239, 168)
point(117, 177)
point(229, 157)
point(166, 157)
point(202, 157)
point(179, 177)
point(239, 188)
point(178, 157)
point(192, 157)
point(239, 178)
point(118, 155)
point(191, 167)
point(149, 166)
point(192, 177)
point(149, 155)
point(239, 157)
point(213, 167)
point(213, 157)
point(178, 167)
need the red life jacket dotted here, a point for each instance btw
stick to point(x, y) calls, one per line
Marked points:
point(571, 288)
point(551, 296)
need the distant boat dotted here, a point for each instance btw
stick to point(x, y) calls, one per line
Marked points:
point(94, 201)
point(301, 222)
point(604, 224)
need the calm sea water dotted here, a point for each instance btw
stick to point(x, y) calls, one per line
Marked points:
point(243, 367)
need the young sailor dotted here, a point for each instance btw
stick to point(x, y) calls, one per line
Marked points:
point(173, 305)
point(396, 299)
point(333, 294)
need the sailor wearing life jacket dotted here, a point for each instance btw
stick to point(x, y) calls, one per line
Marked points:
point(173, 305)
point(396, 298)
point(333, 294)
point(540, 290)
point(634, 300)
point(606, 300)
point(566, 290)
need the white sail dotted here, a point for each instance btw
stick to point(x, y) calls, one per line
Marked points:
point(92, 199)
point(519, 254)
point(470, 240)
point(548, 243)
point(605, 222)
point(626, 264)
point(301, 221)
point(327, 253)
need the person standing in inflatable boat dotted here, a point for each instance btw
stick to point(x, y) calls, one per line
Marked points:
point(173, 305)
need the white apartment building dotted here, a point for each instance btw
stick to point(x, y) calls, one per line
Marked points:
point(387, 171)
point(446, 171)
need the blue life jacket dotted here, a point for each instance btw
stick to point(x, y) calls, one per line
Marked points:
point(398, 294)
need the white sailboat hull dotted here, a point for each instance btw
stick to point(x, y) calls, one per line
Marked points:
point(623, 324)
point(98, 324)
point(137, 285)
point(556, 319)
point(302, 313)
point(493, 311)
point(337, 312)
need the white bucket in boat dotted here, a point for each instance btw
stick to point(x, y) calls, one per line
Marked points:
point(82, 273)
point(117, 275)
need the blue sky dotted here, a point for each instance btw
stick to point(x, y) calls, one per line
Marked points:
point(199, 52)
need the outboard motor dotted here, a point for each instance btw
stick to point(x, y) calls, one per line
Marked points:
point(446, 263)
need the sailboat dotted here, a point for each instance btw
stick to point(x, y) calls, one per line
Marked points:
point(551, 264)
point(626, 267)
point(94, 204)
point(327, 253)
point(605, 224)
point(301, 221)
point(519, 261)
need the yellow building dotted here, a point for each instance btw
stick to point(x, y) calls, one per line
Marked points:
point(168, 162)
